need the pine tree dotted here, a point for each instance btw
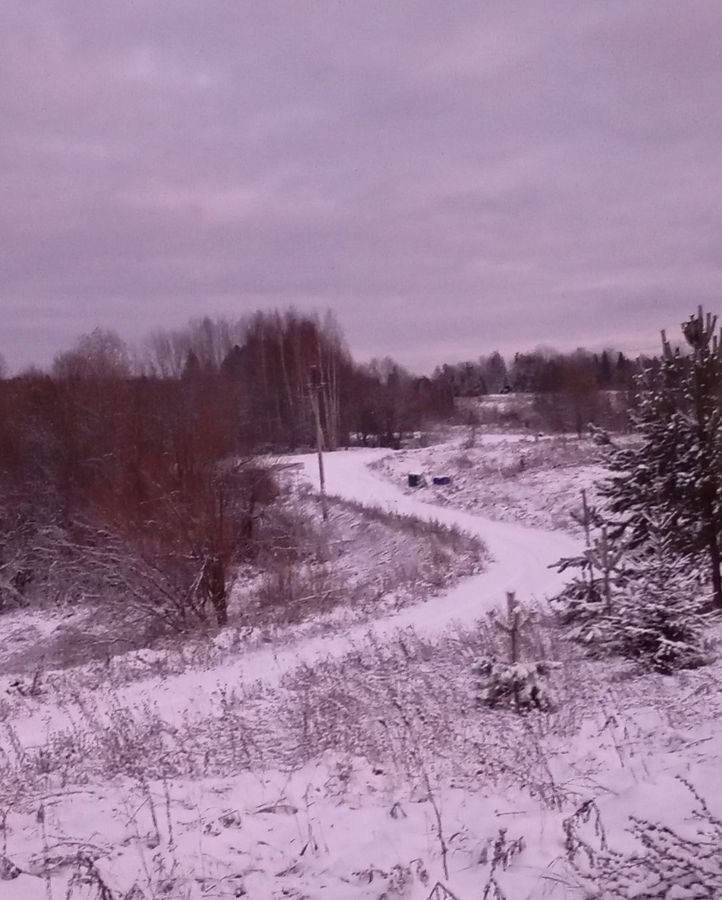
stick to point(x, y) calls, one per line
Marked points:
point(643, 605)
point(657, 618)
point(589, 597)
point(675, 475)
point(520, 685)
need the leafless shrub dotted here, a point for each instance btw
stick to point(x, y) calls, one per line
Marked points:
point(354, 704)
point(86, 880)
point(664, 863)
point(294, 592)
point(441, 892)
point(450, 535)
point(288, 535)
point(304, 562)
point(350, 704)
point(575, 843)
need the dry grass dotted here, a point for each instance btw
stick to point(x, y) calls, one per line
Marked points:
point(352, 704)
point(532, 481)
point(405, 706)
point(363, 562)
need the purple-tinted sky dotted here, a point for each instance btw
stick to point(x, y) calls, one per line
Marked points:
point(450, 178)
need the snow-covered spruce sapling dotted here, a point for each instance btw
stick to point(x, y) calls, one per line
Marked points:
point(601, 572)
point(519, 685)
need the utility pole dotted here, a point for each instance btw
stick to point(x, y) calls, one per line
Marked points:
point(314, 390)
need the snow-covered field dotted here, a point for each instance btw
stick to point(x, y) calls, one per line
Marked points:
point(350, 761)
point(512, 477)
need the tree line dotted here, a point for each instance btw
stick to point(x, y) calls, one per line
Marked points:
point(540, 371)
point(144, 471)
point(265, 366)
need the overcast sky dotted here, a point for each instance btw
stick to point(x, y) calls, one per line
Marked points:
point(450, 178)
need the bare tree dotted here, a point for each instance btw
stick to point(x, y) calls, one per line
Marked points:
point(101, 355)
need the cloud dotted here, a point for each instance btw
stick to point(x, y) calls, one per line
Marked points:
point(449, 179)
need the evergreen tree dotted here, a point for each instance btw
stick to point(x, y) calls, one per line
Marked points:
point(623, 374)
point(605, 371)
point(234, 363)
point(516, 684)
point(675, 474)
point(590, 596)
point(656, 619)
point(641, 604)
point(192, 367)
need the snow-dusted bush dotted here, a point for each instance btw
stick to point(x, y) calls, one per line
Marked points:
point(600, 570)
point(644, 604)
point(657, 619)
point(521, 685)
point(664, 864)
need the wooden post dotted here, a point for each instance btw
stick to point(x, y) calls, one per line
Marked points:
point(314, 391)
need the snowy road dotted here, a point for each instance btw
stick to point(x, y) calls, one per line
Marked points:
point(520, 562)
point(521, 555)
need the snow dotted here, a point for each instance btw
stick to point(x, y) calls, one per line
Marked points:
point(520, 560)
point(335, 828)
point(534, 481)
point(521, 556)
point(339, 824)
